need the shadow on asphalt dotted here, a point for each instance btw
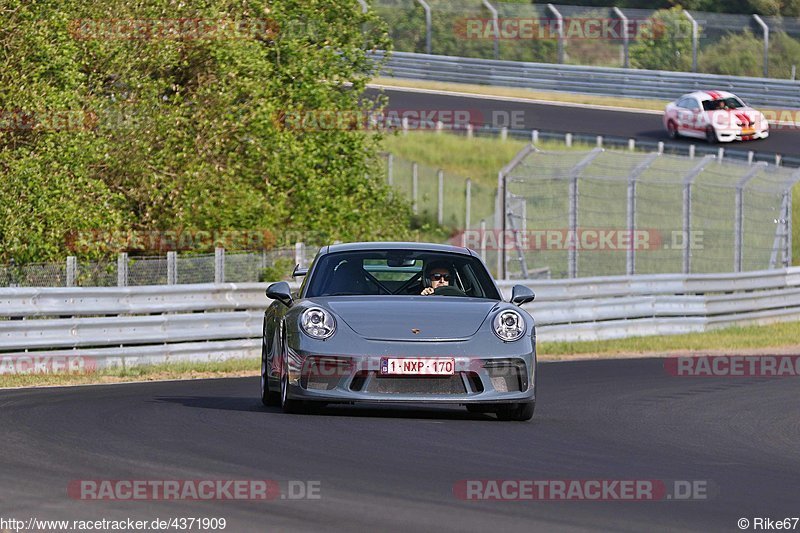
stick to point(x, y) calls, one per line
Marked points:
point(367, 410)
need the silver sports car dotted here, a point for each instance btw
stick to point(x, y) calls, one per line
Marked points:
point(399, 322)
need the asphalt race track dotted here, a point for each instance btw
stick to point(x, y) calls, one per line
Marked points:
point(394, 468)
point(564, 119)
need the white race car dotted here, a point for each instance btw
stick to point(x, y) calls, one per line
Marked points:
point(716, 116)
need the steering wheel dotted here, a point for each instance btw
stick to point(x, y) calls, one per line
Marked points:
point(448, 290)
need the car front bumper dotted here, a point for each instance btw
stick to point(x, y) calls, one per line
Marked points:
point(506, 376)
point(741, 135)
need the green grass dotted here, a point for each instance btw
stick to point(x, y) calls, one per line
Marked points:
point(781, 337)
point(480, 159)
point(159, 372)
point(734, 339)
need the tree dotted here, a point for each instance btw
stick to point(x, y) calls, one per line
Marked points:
point(667, 46)
point(181, 104)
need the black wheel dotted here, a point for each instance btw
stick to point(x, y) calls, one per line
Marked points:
point(287, 404)
point(268, 397)
point(711, 135)
point(672, 130)
point(518, 412)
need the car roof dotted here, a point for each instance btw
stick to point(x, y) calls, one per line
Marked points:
point(417, 246)
point(709, 95)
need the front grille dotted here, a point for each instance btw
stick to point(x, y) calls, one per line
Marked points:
point(358, 381)
point(417, 385)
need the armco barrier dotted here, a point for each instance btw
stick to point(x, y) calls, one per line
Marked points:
point(143, 325)
point(633, 83)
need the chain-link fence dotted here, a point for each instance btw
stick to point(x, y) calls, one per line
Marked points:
point(601, 36)
point(122, 270)
point(601, 213)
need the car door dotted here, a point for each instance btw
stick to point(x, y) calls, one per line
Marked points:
point(684, 115)
point(694, 122)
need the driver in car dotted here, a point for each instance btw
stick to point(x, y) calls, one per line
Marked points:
point(437, 276)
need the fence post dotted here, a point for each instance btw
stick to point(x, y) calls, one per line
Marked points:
point(625, 56)
point(390, 169)
point(496, 22)
point(172, 268)
point(568, 140)
point(599, 141)
point(219, 265)
point(72, 270)
point(440, 198)
point(787, 256)
point(468, 206)
point(504, 133)
point(691, 151)
point(300, 254)
point(414, 186)
point(560, 23)
point(738, 242)
point(765, 29)
point(122, 269)
point(630, 260)
point(694, 39)
point(427, 9)
point(631, 144)
point(469, 131)
point(482, 249)
point(687, 211)
point(574, 176)
point(534, 136)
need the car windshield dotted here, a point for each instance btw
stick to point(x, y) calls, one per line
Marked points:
point(399, 272)
point(722, 103)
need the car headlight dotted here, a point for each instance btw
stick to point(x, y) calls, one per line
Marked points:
point(509, 325)
point(318, 323)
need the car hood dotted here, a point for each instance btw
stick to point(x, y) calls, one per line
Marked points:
point(412, 318)
point(730, 118)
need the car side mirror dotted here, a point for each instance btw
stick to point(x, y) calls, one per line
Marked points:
point(520, 294)
point(280, 291)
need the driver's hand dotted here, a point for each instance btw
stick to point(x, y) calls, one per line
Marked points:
point(427, 290)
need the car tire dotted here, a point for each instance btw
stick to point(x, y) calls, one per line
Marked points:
point(711, 135)
point(288, 405)
point(672, 130)
point(268, 397)
point(517, 412)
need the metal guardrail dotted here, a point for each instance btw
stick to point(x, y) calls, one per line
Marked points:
point(632, 83)
point(128, 326)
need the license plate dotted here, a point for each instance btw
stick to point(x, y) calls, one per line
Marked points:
point(418, 366)
point(748, 131)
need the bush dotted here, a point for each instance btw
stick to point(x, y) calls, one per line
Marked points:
point(185, 133)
